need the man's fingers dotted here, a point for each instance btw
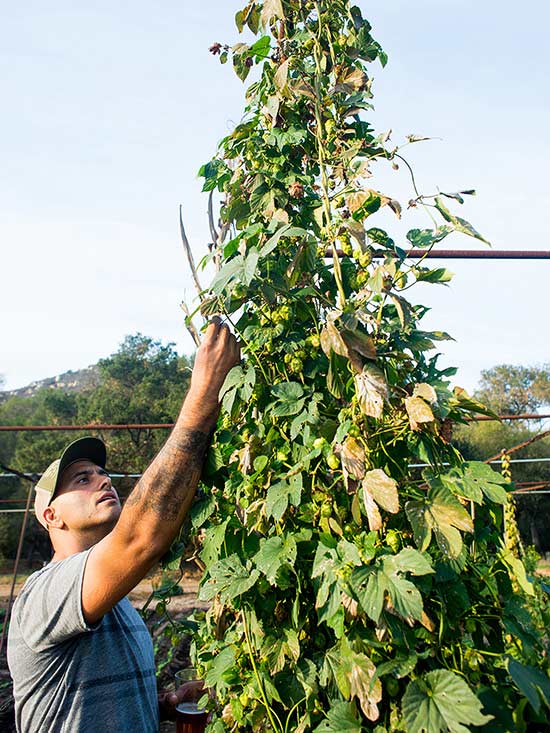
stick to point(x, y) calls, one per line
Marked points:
point(213, 328)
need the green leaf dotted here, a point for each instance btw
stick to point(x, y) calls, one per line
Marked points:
point(202, 510)
point(341, 718)
point(517, 571)
point(488, 480)
point(249, 266)
point(260, 462)
point(533, 683)
point(474, 479)
point(276, 554)
point(374, 585)
point(280, 494)
point(442, 514)
point(228, 578)
point(213, 543)
point(221, 664)
point(428, 237)
point(287, 391)
point(277, 649)
point(441, 702)
point(261, 48)
point(460, 225)
point(439, 275)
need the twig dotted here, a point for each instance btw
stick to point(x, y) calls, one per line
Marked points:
point(213, 231)
point(189, 254)
point(190, 325)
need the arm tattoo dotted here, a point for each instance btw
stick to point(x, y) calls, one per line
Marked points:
point(172, 478)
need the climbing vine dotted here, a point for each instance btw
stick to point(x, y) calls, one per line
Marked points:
point(351, 589)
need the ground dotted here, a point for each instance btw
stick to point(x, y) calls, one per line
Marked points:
point(180, 607)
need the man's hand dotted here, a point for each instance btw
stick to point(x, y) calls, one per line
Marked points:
point(190, 691)
point(218, 353)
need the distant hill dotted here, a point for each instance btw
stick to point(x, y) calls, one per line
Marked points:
point(71, 381)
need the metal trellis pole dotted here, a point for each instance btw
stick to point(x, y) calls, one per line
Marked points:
point(16, 564)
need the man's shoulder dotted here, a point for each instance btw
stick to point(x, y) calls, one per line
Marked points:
point(41, 578)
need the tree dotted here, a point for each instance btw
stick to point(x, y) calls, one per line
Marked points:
point(514, 390)
point(143, 382)
point(349, 592)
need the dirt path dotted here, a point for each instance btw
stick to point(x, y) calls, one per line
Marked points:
point(189, 584)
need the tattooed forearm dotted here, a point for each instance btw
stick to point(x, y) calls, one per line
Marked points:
point(168, 485)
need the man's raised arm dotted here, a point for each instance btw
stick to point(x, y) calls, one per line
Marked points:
point(154, 511)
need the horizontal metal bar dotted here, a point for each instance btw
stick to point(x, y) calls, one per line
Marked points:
point(112, 475)
point(465, 254)
point(130, 426)
point(169, 426)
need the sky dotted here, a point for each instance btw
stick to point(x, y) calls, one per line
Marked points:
point(109, 109)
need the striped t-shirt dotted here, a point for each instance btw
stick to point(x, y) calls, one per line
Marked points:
point(70, 677)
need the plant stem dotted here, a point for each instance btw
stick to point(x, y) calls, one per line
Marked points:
point(270, 713)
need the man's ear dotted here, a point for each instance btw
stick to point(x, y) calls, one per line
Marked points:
point(52, 517)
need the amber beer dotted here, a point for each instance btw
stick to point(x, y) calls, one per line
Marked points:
point(190, 718)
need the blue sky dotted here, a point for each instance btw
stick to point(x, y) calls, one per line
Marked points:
point(110, 109)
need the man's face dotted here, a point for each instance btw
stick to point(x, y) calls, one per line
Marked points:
point(86, 499)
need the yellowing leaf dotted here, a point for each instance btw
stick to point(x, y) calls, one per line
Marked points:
point(426, 391)
point(281, 75)
point(354, 673)
point(379, 489)
point(372, 390)
point(271, 9)
point(419, 412)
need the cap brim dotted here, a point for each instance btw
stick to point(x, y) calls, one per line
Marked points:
point(91, 449)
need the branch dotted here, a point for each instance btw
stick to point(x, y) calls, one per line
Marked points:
point(189, 254)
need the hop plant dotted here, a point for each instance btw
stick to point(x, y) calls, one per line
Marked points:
point(350, 590)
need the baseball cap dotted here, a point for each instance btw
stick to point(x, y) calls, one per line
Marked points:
point(91, 449)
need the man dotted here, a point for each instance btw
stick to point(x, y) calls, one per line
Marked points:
point(80, 656)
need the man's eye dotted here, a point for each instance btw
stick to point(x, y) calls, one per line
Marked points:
point(82, 479)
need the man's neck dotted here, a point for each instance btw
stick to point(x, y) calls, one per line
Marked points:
point(70, 543)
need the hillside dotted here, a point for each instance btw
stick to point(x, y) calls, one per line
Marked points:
point(71, 381)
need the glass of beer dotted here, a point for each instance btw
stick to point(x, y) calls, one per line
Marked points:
point(190, 718)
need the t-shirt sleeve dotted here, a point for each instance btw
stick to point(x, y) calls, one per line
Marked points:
point(49, 608)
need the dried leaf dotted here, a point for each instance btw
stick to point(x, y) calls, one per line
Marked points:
point(354, 80)
point(372, 390)
point(359, 342)
point(419, 412)
point(331, 340)
point(352, 456)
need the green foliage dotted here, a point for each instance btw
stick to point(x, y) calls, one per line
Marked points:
point(349, 592)
point(513, 390)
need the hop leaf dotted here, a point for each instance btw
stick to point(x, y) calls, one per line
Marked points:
point(441, 702)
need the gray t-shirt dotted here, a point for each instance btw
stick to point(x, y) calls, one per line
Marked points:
point(70, 677)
